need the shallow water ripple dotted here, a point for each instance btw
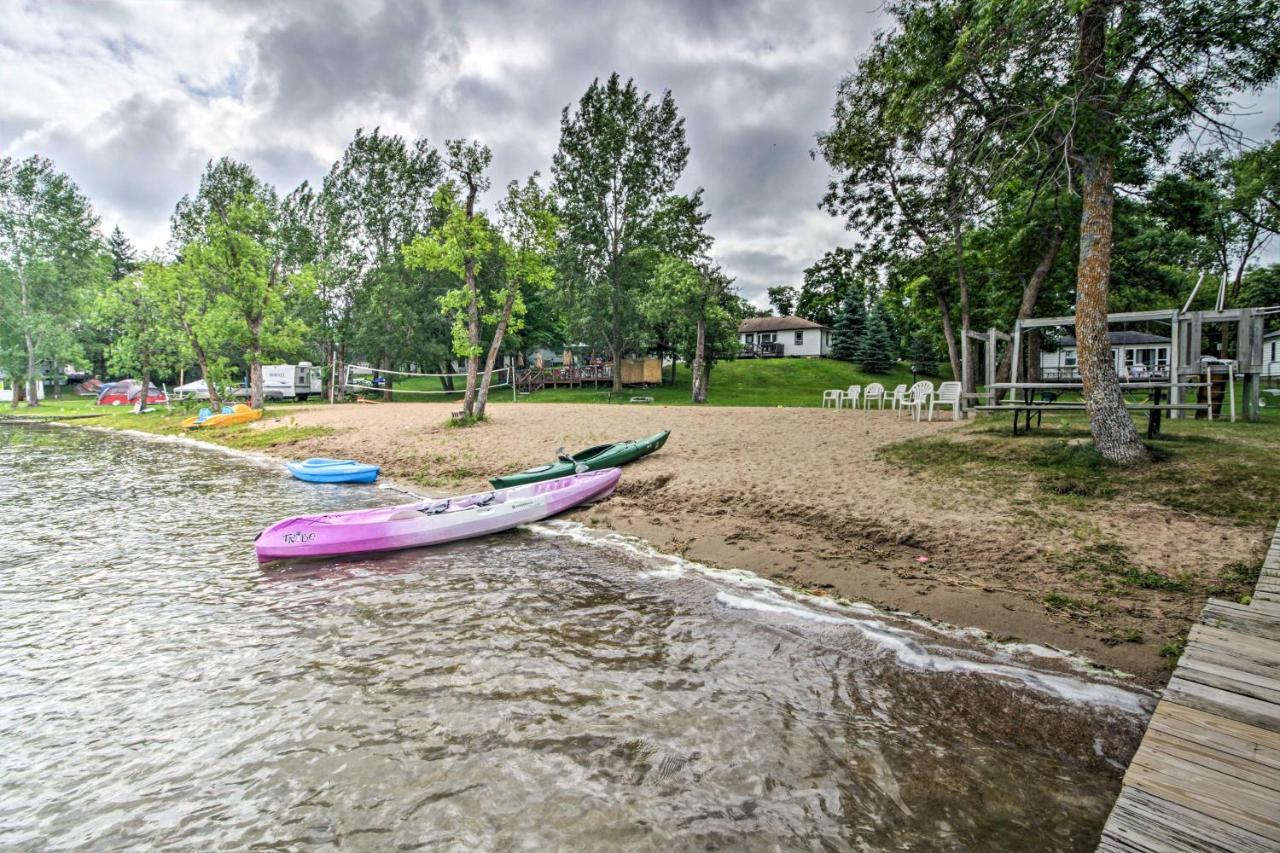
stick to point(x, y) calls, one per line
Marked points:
point(158, 688)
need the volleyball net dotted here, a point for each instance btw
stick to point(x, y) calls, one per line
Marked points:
point(359, 379)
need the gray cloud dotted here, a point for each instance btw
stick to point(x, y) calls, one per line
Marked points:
point(133, 98)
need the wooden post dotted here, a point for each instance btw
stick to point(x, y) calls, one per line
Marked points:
point(1175, 364)
point(1017, 351)
point(991, 365)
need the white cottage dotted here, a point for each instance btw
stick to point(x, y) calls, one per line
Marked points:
point(1136, 355)
point(1271, 354)
point(793, 336)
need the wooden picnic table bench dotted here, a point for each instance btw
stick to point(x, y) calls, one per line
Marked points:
point(1029, 406)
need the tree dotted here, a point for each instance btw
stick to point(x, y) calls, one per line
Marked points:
point(824, 283)
point(233, 240)
point(376, 199)
point(144, 344)
point(923, 355)
point(124, 258)
point(783, 299)
point(849, 325)
point(50, 247)
point(875, 349)
point(1108, 85)
point(620, 155)
point(527, 229)
point(695, 297)
point(458, 246)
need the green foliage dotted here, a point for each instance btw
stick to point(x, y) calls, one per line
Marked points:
point(849, 325)
point(783, 299)
point(922, 355)
point(831, 276)
point(50, 264)
point(875, 349)
point(620, 155)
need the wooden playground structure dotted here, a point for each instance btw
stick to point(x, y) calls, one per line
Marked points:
point(1193, 381)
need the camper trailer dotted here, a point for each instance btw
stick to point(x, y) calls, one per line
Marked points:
point(290, 381)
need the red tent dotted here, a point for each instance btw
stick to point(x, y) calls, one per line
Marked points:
point(126, 393)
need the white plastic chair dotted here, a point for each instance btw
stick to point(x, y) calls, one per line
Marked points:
point(852, 394)
point(917, 396)
point(948, 395)
point(899, 397)
point(832, 398)
point(874, 391)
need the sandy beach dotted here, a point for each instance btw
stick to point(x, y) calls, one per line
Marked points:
point(801, 496)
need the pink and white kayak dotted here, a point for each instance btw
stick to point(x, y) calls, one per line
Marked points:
point(430, 522)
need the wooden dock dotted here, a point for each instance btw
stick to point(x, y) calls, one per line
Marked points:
point(1207, 774)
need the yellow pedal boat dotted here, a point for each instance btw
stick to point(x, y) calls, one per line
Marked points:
point(229, 416)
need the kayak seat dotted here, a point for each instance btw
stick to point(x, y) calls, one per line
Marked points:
point(204, 414)
point(227, 410)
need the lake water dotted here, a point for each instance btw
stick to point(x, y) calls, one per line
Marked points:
point(546, 689)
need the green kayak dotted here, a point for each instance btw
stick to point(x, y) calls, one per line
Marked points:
point(594, 458)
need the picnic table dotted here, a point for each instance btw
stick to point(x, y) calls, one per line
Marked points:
point(1040, 397)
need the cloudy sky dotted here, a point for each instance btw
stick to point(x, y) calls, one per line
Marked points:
point(133, 98)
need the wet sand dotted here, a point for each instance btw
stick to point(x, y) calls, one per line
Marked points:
point(801, 496)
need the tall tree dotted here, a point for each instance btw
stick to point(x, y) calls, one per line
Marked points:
point(1108, 85)
point(849, 325)
point(783, 299)
point(459, 246)
point(232, 237)
point(825, 284)
point(527, 231)
point(620, 155)
point(376, 199)
point(49, 243)
point(124, 257)
point(875, 349)
point(696, 298)
point(145, 344)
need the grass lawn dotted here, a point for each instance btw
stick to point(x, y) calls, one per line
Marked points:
point(1220, 470)
point(168, 421)
point(746, 382)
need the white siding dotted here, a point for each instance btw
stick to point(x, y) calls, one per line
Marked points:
point(1271, 356)
point(813, 342)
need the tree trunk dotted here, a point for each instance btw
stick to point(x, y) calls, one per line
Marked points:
point(1030, 296)
point(494, 347)
point(146, 386)
point(446, 379)
point(700, 363)
point(473, 335)
point(255, 364)
point(1113, 432)
point(966, 345)
point(948, 332)
point(33, 379)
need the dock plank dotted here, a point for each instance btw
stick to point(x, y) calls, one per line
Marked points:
point(1206, 776)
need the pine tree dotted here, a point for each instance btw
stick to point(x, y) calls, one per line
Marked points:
point(923, 356)
point(124, 259)
point(875, 350)
point(847, 331)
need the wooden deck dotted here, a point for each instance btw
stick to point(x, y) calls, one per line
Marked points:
point(1207, 774)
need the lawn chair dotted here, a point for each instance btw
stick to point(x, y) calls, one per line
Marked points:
point(874, 391)
point(851, 395)
point(917, 396)
point(899, 397)
point(948, 395)
point(832, 398)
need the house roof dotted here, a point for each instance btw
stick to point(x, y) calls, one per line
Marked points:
point(1120, 339)
point(776, 324)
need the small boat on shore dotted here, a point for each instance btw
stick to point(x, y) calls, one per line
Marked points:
point(320, 470)
point(592, 459)
point(429, 522)
point(229, 416)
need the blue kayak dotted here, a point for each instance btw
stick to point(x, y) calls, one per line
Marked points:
point(333, 471)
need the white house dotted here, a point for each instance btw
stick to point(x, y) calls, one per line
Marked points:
point(1271, 354)
point(793, 336)
point(1136, 355)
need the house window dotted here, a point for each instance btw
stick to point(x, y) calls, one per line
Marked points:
point(750, 338)
point(799, 339)
point(1069, 358)
point(768, 337)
